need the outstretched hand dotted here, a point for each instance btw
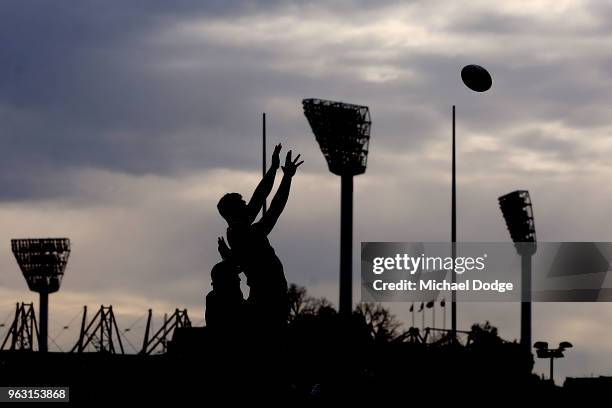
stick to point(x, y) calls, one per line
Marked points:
point(224, 250)
point(276, 156)
point(291, 166)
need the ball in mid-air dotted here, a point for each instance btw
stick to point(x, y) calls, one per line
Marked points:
point(476, 78)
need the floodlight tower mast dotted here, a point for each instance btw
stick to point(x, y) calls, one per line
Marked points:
point(518, 213)
point(343, 133)
point(43, 262)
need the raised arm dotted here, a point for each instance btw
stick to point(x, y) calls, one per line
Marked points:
point(265, 186)
point(277, 206)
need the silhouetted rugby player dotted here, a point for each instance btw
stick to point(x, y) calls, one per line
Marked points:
point(251, 248)
point(225, 304)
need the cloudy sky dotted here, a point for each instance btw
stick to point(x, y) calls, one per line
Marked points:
point(124, 122)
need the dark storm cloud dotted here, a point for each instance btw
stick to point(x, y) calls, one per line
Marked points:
point(95, 85)
point(81, 85)
point(87, 85)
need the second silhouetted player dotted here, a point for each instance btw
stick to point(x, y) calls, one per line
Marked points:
point(250, 246)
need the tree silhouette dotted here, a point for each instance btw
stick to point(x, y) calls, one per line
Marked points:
point(484, 335)
point(302, 304)
point(382, 324)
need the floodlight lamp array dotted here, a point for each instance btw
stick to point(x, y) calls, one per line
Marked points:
point(343, 133)
point(42, 261)
point(518, 213)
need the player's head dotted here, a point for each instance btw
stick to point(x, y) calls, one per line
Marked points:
point(232, 208)
point(224, 276)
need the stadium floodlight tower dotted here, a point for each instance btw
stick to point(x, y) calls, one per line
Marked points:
point(343, 133)
point(518, 213)
point(42, 262)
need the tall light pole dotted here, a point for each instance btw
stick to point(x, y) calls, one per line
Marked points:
point(263, 154)
point(542, 351)
point(343, 133)
point(43, 262)
point(518, 213)
point(479, 80)
point(454, 237)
